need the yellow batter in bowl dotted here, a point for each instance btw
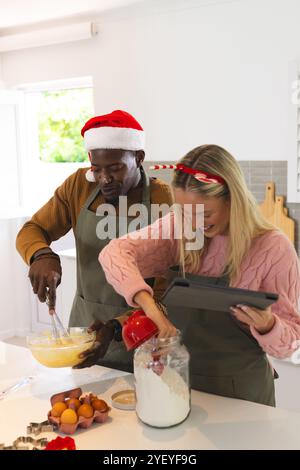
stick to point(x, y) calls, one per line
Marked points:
point(47, 351)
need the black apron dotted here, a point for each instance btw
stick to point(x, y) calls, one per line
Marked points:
point(95, 299)
point(225, 358)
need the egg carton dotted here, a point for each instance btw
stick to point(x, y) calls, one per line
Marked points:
point(98, 416)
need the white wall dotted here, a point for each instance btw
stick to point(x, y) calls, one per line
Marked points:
point(15, 12)
point(209, 73)
point(1, 74)
point(9, 190)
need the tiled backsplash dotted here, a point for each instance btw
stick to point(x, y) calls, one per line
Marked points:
point(257, 174)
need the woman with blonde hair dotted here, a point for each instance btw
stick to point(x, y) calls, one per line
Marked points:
point(240, 249)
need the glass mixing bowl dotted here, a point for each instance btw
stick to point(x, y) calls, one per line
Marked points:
point(65, 353)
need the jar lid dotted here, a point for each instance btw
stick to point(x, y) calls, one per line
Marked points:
point(124, 400)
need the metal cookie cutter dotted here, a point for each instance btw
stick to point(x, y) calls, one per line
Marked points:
point(37, 428)
point(18, 444)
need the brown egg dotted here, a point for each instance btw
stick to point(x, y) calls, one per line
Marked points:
point(58, 409)
point(85, 410)
point(74, 403)
point(99, 405)
point(69, 416)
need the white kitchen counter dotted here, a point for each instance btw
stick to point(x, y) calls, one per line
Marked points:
point(214, 423)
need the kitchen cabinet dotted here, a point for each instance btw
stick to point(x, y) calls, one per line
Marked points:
point(68, 284)
point(15, 292)
point(287, 387)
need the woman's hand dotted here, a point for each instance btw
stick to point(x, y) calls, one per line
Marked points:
point(165, 328)
point(262, 320)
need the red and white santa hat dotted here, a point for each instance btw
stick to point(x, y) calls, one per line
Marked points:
point(117, 130)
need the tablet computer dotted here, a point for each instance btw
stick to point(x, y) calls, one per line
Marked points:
point(198, 294)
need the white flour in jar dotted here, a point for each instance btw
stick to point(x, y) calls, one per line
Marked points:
point(162, 400)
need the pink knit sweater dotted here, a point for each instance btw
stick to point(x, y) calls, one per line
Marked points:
point(271, 265)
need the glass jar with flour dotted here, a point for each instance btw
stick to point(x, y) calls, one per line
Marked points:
point(161, 371)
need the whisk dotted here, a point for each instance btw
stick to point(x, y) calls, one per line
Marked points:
point(59, 332)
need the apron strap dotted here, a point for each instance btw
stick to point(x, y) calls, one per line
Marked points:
point(91, 198)
point(146, 198)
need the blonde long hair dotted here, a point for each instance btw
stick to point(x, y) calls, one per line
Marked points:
point(246, 221)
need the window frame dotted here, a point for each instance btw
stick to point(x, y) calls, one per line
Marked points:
point(33, 155)
point(32, 164)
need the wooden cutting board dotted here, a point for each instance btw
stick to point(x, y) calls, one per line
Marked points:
point(267, 207)
point(274, 211)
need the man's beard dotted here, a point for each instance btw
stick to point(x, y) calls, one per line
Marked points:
point(114, 201)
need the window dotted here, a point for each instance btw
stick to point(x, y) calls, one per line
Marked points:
point(61, 115)
point(54, 114)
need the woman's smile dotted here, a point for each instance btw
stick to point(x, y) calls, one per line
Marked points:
point(208, 227)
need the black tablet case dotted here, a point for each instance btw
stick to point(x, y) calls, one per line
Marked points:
point(197, 294)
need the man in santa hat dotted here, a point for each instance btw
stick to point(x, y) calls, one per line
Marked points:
point(115, 144)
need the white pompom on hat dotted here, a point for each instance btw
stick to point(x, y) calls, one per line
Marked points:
point(90, 176)
point(117, 130)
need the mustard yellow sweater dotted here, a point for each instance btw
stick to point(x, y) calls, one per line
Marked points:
point(61, 212)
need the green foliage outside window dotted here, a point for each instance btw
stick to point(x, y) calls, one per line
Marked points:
point(62, 114)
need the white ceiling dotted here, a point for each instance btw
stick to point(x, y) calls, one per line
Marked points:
point(21, 12)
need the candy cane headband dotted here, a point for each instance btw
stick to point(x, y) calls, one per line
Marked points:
point(199, 175)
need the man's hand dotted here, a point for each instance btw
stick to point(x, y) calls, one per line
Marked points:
point(45, 276)
point(104, 335)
